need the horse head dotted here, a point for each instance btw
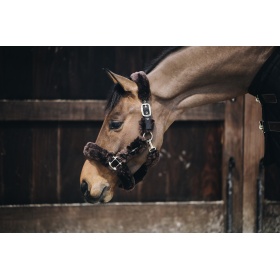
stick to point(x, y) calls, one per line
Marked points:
point(127, 144)
point(130, 137)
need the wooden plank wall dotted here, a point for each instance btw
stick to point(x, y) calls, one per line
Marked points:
point(66, 72)
point(50, 110)
point(45, 166)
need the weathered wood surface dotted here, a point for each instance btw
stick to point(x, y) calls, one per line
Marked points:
point(233, 147)
point(271, 216)
point(85, 110)
point(126, 217)
point(55, 110)
point(114, 217)
point(253, 152)
point(67, 72)
point(40, 162)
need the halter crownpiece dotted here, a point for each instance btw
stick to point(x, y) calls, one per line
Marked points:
point(117, 162)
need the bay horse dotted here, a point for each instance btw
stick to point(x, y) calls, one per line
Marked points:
point(141, 108)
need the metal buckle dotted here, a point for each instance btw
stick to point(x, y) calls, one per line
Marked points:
point(148, 139)
point(116, 166)
point(146, 109)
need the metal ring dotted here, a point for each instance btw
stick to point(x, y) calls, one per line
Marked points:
point(117, 165)
point(148, 139)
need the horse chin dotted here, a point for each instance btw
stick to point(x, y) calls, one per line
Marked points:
point(107, 198)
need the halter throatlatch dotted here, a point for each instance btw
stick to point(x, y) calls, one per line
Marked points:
point(117, 162)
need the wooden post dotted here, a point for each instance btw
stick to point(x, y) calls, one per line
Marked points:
point(253, 152)
point(233, 147)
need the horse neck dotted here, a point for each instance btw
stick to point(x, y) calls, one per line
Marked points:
point(196, 76)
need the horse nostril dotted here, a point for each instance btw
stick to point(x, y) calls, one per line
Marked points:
point(84, 187)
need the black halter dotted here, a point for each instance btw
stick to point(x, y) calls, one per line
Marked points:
point(117, 162)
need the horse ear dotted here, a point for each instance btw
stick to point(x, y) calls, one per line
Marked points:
point(125, 83)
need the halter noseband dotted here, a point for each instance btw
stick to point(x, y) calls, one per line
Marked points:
point(117, 162)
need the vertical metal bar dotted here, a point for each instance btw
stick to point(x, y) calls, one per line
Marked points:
point(260, 190)
point(231, 165)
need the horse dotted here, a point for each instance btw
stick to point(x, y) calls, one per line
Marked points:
point(142, 107)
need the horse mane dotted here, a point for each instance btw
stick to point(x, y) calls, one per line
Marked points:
point(117, 92)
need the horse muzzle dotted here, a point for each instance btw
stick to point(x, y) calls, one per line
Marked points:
point(102, 196)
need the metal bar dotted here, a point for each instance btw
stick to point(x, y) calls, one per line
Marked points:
point(229, 222)
point(260, 189)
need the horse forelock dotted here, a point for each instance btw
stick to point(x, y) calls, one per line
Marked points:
point(113, 99)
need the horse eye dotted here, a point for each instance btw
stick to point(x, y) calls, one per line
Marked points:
point(115, 125)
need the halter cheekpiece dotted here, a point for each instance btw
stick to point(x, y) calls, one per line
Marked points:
point(117, 162)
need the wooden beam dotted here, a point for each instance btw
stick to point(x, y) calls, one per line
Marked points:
point(52, 110)
point(114, 217)
point(85, 110)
